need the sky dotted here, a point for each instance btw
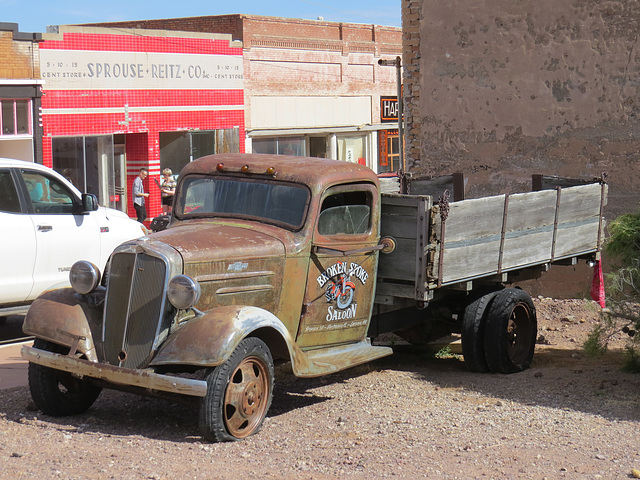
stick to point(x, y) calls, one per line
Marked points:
point(34, 16)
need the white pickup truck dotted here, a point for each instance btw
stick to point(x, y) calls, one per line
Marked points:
point(47, 225)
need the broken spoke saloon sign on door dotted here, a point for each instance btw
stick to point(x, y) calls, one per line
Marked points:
point(340, 284)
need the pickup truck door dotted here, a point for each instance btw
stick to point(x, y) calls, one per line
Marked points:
point(17, 243)
point(341, 278)
point(63, 234)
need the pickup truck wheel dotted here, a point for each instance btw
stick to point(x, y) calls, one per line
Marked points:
point(510, 332)
point(59, 393)
point(239, 393)
point(473, 327)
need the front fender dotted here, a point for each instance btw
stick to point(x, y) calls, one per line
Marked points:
point(62, 316)
point(210, 339)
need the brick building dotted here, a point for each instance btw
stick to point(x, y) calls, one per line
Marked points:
point(20, 130)
point(311, 87)
point(116, 100)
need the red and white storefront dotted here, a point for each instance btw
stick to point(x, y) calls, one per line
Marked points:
point(116, 100)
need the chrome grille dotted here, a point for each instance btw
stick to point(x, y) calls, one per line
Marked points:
point(134, 307)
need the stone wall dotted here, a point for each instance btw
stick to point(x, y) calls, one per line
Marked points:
point(503, 89)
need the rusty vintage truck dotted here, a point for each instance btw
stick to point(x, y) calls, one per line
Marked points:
point(272, 259)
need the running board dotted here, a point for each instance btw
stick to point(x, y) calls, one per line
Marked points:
point(328, 360)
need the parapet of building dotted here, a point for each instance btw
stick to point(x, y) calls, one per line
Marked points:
point(20, 131)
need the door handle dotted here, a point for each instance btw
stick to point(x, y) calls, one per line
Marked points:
point(45, 228)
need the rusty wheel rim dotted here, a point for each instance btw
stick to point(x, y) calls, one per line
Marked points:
point(245, 400)
point(519, 333)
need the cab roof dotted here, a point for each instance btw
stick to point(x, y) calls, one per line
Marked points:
point(314, 172)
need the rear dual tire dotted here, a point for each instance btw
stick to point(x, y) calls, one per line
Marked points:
point(499, 332)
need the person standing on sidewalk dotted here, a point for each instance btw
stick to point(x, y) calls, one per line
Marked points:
point(168, 190)
point(139, 196)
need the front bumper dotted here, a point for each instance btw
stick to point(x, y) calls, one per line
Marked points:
point(143, 378)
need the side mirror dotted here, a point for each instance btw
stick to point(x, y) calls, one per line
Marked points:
point(89, 202)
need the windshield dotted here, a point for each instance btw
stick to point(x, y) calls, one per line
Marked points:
point(273, 202)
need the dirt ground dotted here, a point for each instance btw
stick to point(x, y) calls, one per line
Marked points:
point(408, 416)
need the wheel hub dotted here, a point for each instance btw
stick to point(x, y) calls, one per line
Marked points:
point(251, 398)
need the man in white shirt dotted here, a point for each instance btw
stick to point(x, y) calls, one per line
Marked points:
point(139, 196)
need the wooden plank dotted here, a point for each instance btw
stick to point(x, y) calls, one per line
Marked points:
point(400, 290)
point(533, 209)
point(389, 184)
point(436, 186)
point(397, 226)
point(550, 182)
point(578, 203)
point(469, 261)
point(422, 239)
point(527, 249)
point(399, 200)
point(472, 219)
point(577, 239)
point(401, 263)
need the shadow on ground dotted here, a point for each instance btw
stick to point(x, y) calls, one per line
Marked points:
point(558, 378)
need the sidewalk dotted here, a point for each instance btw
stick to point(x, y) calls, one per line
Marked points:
point(13, 369)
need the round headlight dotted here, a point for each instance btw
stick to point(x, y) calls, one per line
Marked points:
point(183, 292)
point(84, 277)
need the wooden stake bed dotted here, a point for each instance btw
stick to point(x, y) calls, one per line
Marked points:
point(485, 236)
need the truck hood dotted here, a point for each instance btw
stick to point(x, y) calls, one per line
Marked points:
point(234, 264)
point(213, 242)
point(112, 213)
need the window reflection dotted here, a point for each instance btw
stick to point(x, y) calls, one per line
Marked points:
point(280, 146)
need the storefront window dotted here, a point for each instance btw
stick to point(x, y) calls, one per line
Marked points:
point(22, 116)
point(265, 145)
point(280, 145)
point(352, 149)
point(87, 162)
point(389, 151)
point(15, 118)
point(318, 147)
point(175, 150)
point(179, 148)
point(68, 159)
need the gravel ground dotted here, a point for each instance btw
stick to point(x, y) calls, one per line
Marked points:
point(407, 416)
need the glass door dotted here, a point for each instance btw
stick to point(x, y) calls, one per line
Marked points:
point(117, 183)
point(112, 175)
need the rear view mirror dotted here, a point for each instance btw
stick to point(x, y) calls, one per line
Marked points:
point(89, 202)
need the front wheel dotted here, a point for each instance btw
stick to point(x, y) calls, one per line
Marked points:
point(510, 331)
point(345, 298)
point(239, 393)
point(59, 393)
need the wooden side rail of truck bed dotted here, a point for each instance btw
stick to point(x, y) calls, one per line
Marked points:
point(446, 244)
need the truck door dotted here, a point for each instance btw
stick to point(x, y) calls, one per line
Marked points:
point(341, 279)
point(17, 243)
point(62, 234)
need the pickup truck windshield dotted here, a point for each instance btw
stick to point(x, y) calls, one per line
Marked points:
point(273, 202)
